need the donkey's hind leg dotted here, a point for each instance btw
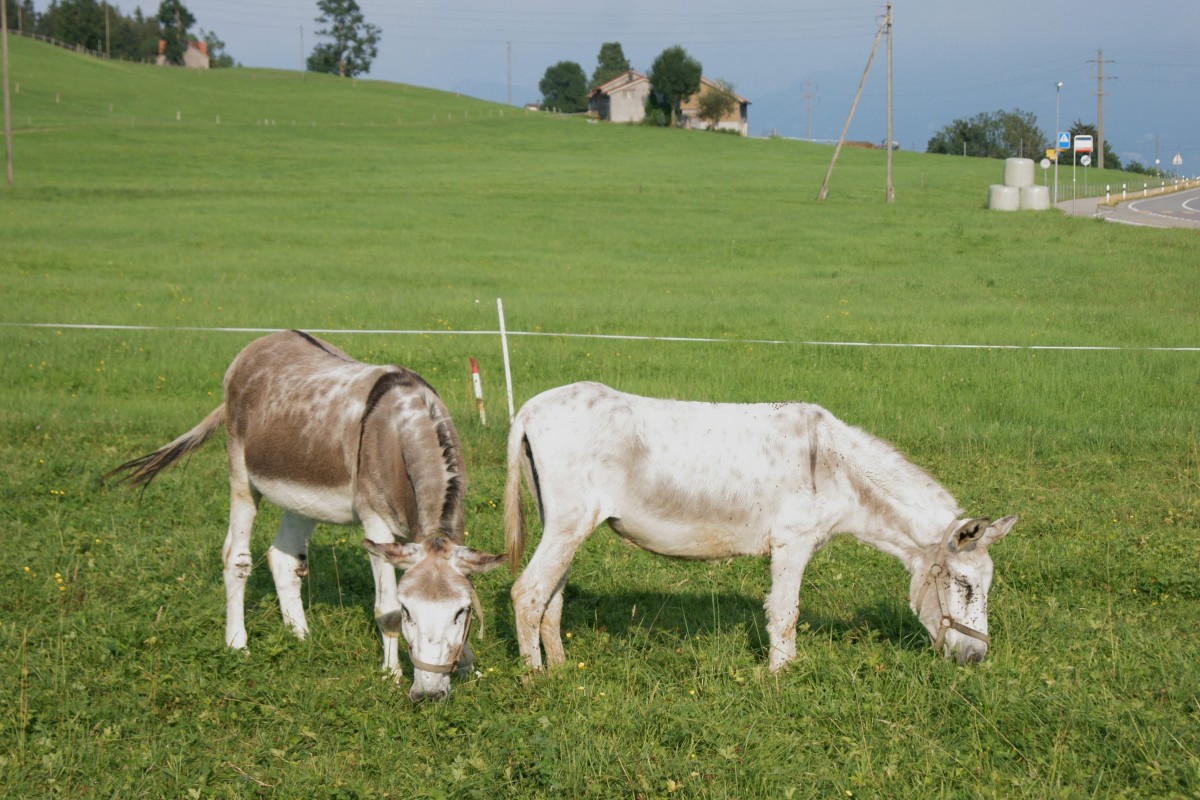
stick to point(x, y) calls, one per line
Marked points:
point(288, 559)
point(537, 594)
point(235, 555)
point(552, 626)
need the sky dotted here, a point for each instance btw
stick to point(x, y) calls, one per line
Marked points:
point(798, 62)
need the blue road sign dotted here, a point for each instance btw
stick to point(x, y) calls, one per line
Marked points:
point(1064, 140)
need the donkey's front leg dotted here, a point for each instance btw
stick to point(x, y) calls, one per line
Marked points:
point(288, 559)
point(789, 557)
point(387, 604)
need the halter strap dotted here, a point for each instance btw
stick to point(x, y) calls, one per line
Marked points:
point(947, 621)
point(452, 664)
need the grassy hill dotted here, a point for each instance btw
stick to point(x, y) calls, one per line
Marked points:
point(201, 204)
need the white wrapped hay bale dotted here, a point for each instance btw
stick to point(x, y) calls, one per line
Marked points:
point(1018, 172)
point(1035, 198)
point(1004, 198)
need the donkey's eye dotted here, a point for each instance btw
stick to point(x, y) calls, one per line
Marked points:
point(404, 612)
point(462, 612)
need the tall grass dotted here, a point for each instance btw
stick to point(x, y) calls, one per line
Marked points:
point(390, 207)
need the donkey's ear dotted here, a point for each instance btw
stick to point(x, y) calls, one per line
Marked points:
point(398, 555)
point(967, 534)
point(470, 561)
point(997, 530)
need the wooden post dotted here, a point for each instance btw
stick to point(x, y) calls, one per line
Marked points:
point(890, 192)
point(842, 139)
point(8, 164)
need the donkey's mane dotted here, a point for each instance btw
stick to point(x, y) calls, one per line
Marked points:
point(400, 377)
point(450, 452)
point(892, 476)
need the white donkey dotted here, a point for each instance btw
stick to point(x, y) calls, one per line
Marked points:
point(716, 480)
point(330, 439)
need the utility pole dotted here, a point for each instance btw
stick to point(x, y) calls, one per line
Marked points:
point(809, 93)
point(821, 195)
point(1099, 61)
point(890, 192)
point(8, 172)
point(107, 34)
point(509, 72)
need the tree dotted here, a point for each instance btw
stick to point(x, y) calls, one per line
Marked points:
point(1080, 128)
point(78, 22)
point(21, 15)
point(718, 102)
point(217, 57)
point(998, 134)
point(1137, 167)
point(175, 20)
point(610, 63)
point(564, 88)
point(135, 38)
point(674, 76)
point(354, 40)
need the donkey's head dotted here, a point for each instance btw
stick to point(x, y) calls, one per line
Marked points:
point(950, 583)
point(436, 604)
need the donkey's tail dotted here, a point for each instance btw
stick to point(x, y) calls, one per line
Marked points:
point(514, 513)
point(144, 469)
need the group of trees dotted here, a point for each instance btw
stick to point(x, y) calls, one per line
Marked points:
point(101, 26)
point(565, 86)
point(1008, 134)
point(991, 134)
point(674, 77)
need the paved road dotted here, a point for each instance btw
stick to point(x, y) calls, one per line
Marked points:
point(1175, 210)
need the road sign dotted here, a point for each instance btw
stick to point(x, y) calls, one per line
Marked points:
point(1052, 154)
point(1177, 160)
point(1083, 143)
point(1064, 140)
point(1046, 163)
point(1086, 160)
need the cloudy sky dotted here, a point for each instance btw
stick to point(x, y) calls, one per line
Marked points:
point(797, 61)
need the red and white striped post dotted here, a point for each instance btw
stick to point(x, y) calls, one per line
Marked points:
point(478, 391)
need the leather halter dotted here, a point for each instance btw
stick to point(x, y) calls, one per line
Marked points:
point(946, 621)
point(447, 668)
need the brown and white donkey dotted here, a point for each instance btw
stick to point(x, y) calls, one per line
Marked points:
point(331, 439)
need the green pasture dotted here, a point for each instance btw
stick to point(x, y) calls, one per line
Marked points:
point(345, 206)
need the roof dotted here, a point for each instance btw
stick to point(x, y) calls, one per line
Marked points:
point(626, 78)
point(714, 85)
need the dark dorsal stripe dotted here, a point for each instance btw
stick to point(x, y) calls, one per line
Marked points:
point(317, 343)
point(398, 378)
